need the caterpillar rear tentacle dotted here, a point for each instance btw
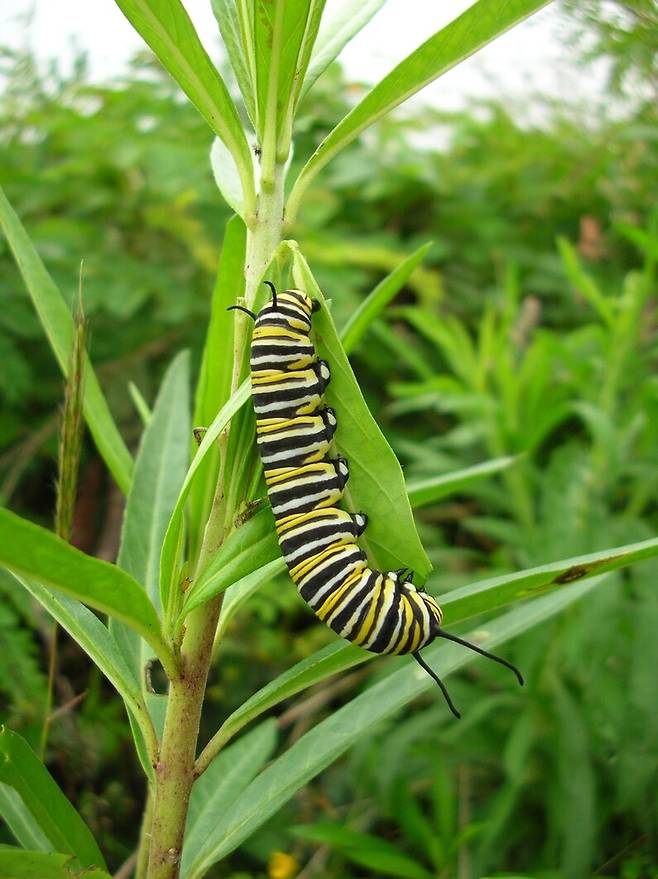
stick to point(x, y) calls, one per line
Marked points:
point(381, 611)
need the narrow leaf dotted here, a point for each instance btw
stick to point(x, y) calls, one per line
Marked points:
point(281, 29)
point(246, 550)
point(71, 428)
point(20, 821)
point(99, 644)
point(160, 468)
point(376, 302)
point(583, 283)
point(16, 864)
point(376, 484)
point(458, 605)
point(221, 784)
point(165, 26)
point(242, 590)
point(56, 321)
point(229, 26)
point(335, 33)
point(368, 851)
point(31, 551)
point(226, 175)
point(332, 737)
point(215, 375)
point(427, 491)
point(142, 407)
point(171, 546)
point(21, 769)
point(477, 26)
point(487, 595)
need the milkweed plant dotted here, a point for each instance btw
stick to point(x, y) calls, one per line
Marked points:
point(198, 537)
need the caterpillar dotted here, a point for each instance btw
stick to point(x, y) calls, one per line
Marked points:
point(381, 611)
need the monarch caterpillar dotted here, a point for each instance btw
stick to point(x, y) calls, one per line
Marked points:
point(381, 611)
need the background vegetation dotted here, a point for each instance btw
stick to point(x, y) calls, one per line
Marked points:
point(529, 331)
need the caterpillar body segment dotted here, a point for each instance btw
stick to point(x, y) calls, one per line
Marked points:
point(381, 611)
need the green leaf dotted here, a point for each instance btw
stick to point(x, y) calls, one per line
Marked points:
point(283, 34)
point(458, 605)
point(99, 644)
point(244, 551)
point(426, 491)
point(17, 864)
point(20, 821)
point(242, 590)
point(365, 849)
point(229, 26)
point(21, 769)
point(376, 302)
point(318, 748)
point(576, 785)
point(335, 33)
point(227, 178)
point(214, 383)
point(57, 323)
point(172, 544)
point(583, 283)
point(31, 551)
point(332, 659)
point(165, 26)
point(487, 595)
point(477, 26)
point(222, 783)
point(160, 468)
point(140, 404)
point(376, 484)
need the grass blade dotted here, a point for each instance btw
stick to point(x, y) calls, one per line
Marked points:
point(57, 324)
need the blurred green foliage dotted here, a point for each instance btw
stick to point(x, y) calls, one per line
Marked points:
point(530, 329)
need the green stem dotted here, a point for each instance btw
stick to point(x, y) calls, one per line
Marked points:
point(142, 863)
point(175, 766)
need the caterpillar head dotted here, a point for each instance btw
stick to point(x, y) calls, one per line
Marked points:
point(302, 300)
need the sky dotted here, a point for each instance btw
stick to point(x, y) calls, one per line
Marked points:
point(530, 58)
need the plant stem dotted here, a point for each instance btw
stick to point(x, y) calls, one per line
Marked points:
point(175, 766)
point(145, 837)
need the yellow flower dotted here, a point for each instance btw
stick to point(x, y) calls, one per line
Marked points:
point(282, 866)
